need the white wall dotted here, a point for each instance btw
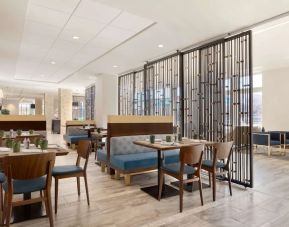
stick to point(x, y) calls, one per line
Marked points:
point(106, 98)
point(64, 107)
point(275, 106)
point(12, 105)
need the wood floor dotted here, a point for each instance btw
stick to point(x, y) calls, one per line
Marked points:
point(114, 204)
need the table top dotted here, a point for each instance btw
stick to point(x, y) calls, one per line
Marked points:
point(164, 146)
point(58, 151)
point(22, 136)
point(102, 134)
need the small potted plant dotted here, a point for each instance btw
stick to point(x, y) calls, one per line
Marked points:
point(19, 132)
point(43, 144)
point(8, 143)
point(37, 141)
point(2, 132)
point(16, 146)
point(5, 112)
point(98, 130)
point(31, 132)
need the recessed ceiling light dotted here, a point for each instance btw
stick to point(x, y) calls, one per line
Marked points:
point(75, 37)
point(160, 46)
point(53, 62)
point(115, 66)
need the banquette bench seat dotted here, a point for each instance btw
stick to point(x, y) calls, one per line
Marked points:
point(129, 159)
point(75, 134)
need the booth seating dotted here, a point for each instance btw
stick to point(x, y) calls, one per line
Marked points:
point(269, 139)
point(128, 159)
point(122, 157)
point(75, 134)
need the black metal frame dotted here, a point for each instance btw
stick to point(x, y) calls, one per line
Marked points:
point(209, 92)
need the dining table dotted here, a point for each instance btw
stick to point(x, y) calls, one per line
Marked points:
point(161, 147)
point(31, 211)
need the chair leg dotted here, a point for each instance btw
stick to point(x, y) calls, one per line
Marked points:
point(9, 209)
point(209, 179)
point(56, 195)
point(102, 167)
point(127, 179)
point(48, 207)
point(181, 193)
point(86, 188)
point(41, 194)
point(201, 191)
point(161, 184)
point(4, 210)
point(1, 197)
point(78, 185)
point(229, 179)
point(214, 186)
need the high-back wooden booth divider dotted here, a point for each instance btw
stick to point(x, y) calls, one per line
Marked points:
point(23, 122)
point(130, 125)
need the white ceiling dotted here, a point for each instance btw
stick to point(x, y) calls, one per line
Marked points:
point(116, 32)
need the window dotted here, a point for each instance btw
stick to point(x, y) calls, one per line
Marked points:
point(25, 109)
point(257, 100)
point(78, 108)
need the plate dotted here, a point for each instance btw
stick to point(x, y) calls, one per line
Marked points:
point(5, 149)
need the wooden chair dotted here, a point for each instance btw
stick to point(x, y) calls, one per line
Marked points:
point(190, 163)
point(26, 174)
point(220, 164)
point(68, 171)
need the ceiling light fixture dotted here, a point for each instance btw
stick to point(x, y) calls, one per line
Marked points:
point(53, 62)
point(115, 66)
point(75, 37)
point(160, 46)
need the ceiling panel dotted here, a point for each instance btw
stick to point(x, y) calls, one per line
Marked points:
point(66, 6)
point(96, 11)
point(129, 21)
point(47, 16)
point(80, 26)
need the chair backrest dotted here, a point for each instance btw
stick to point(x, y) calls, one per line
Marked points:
point(223, 150)
point(191, 154)
point(83, 151)
point(25, 167)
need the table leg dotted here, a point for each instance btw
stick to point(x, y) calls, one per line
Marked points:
point(153, 191)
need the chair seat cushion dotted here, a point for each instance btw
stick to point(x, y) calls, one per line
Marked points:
point(134, 161)
point(101, 155)
point(209, 163)
point(68, 169)
point(175, 168)
point(2, 178)
point(26, 186)
point(275, 142)
point(75, 139)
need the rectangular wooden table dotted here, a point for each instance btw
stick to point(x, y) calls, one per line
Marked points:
point(168, 191)
point(26, 212)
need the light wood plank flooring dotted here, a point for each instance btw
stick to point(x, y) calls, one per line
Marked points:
point(114, 204)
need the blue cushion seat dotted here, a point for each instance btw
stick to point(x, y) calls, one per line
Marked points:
point(27, 186)
point(75, 139)
point(2, 178)
point(274, 142)
point(175, 168)
point(68, 169)
point(134, 161)
point(101, 155)
point(209, 163)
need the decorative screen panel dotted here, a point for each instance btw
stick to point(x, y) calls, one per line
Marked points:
point(138, 105)
point(163, 88)
point(218, 97)
point(126, 94)
point(90, 102)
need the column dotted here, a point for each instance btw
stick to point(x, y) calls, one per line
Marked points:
point(64, 107)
